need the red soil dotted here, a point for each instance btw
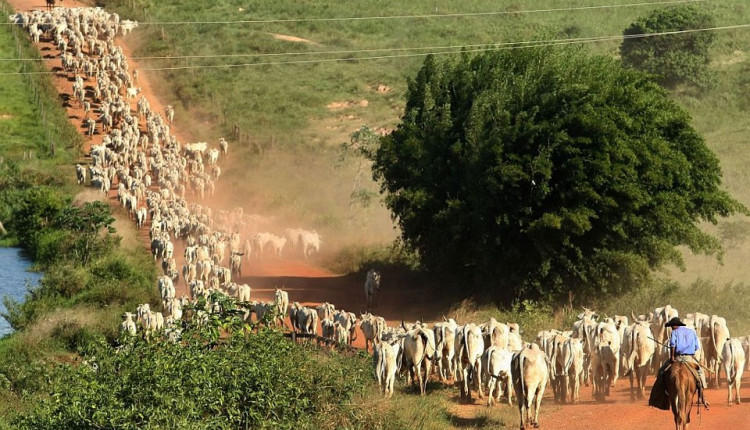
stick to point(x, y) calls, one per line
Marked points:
point(401, 298)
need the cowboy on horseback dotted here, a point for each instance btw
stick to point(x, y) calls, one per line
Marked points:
point(683, 344)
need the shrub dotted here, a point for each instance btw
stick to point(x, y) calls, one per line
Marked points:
point(259, 381)
point(674, 58)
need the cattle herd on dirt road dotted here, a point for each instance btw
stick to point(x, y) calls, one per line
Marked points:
point(162, 184)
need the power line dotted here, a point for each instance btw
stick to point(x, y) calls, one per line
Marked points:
point(425, 16)
point(401, 49)
point(439, 50)
point(445, 15)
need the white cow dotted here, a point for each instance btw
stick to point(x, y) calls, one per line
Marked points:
point(277, 244)
point(638, 354)
point(496, 367)
point(281, 300)
point(387, 364)
point(127, 327)
point(469, 350)
point(372, 328)
point(715, 345)
point(132, 92)
point(606, 359)
point(340, 334)
point(243, 293)
point(170, 117)
point(348, 321)
point(419, 350)
point(445, 339)
point(746, 347)
point(307, 320)
point(573, 352)
point(530, 375)
point(557, 363)
point(327, 328)
point(310, 241)
point(235, 264)
point(174, 309)
point(733, 357)
point(166, 288)
point(263, 310)
point(197, 289)
point(126, 26)
point(80, 174)
point(326, 311)
point(372, 287)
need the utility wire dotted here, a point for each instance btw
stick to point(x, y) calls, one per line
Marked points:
point(426, 16)
point(417, 48)
point(439, 50)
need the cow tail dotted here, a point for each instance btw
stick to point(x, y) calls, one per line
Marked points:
point(713, 338)
point(730, 367)
point(631, 355)
point(521, 358)
point(466, 343)
point(553, 361)
point(383, 357)
point(426, 341)
point(568, 361)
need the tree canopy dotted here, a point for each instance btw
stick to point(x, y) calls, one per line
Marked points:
point(547, 170)
point(680, 58)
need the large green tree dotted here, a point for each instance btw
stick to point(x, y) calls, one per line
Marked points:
point(546, 170)
point(681, 57)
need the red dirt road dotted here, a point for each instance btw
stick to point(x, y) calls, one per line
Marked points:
point(401, 297)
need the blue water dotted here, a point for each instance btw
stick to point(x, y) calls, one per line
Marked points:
point(13, 280)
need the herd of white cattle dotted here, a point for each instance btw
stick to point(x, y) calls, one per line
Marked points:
point(596, 351)
point(153, 172)
point(152, 169)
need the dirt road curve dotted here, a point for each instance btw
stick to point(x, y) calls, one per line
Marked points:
point(401, 298)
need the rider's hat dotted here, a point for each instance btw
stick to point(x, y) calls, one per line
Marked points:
point(674, 322)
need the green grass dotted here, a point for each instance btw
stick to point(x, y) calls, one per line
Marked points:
point(22, 128)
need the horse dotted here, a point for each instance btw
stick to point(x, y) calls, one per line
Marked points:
point(681, 386)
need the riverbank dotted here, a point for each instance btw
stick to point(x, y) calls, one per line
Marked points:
point(15, 279)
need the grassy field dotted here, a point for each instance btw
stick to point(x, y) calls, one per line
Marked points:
point(299, 114)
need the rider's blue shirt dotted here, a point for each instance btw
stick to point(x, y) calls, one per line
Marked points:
point(684, 341)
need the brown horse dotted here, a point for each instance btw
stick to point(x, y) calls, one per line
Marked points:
point(681, 386)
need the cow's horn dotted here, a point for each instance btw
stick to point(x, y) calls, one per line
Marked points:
point(632, 314)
